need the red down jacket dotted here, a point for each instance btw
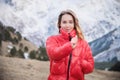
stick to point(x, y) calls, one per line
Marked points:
point(59, 48)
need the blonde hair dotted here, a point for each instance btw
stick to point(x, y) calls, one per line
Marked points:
point(76, 22)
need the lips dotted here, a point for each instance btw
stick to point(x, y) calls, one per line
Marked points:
point(67, 29)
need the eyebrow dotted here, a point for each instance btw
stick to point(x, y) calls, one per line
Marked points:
point(70, 20)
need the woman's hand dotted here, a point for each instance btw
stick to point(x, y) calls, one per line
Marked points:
point(74, 41)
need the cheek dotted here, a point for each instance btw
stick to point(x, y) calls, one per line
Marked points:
point(72, 26)
point(62, 25)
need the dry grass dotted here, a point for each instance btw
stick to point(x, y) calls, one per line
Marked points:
point(21, 69)
point(103, 75)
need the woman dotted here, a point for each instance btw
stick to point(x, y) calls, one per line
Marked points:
point(70, 55)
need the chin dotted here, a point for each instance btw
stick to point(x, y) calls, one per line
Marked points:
point(69, 31)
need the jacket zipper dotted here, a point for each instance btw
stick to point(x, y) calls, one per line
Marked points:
point(70, 58)
point(68, 69)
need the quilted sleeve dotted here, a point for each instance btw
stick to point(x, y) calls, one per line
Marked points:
point(88, 61)
point(56, 52)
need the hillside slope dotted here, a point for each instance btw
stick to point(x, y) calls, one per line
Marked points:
point(22, 69)
point(10, 38)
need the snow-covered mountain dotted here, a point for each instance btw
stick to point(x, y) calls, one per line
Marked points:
point(107, 48)
point(36, 19)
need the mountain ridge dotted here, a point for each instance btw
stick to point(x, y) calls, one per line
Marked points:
point(102, 17)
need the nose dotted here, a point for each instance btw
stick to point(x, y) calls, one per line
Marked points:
point(67, 25)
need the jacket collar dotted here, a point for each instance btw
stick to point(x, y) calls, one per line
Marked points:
point(65, 35)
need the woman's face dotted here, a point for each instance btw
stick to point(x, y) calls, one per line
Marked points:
point(67, 23)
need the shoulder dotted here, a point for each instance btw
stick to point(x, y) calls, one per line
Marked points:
point(83, 43)
point(52, 38)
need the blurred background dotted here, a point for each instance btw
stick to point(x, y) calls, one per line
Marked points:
point(26, 24)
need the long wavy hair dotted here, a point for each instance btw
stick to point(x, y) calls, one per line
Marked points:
point(76, 22)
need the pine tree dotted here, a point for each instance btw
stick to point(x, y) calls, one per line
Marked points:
point(25, 49)
point(32, 54)
point(20, 53)
point(13, 52)
point(19, 35)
